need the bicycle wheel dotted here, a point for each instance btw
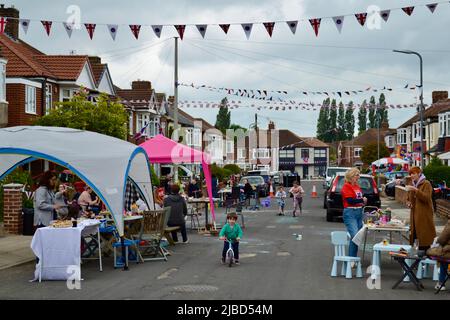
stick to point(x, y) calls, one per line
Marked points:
point(230, 257)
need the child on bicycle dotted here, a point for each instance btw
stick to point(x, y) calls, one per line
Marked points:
point(233, 232)
point(281, 196)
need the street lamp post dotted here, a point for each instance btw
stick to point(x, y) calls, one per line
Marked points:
point(421, 101)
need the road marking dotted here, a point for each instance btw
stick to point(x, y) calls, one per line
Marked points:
point(246, 255)
point(296, 227)
point(283, 254)
point(167, 274)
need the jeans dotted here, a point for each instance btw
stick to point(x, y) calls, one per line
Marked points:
point(353, 220)
point(234, 245)
point(182, 230)
point(443, 272)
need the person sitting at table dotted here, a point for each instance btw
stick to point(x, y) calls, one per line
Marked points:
point(61, 200)
point(194, 189)
point(85, 200)
point(158, 198)
point(44, 200)
point(442, 250)
point(178, 211)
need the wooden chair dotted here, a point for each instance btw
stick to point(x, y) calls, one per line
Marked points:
point(152, 232)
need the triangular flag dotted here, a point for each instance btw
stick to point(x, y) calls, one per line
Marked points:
point(180, 28)
point(25, 23)
point(202, 29)
point(408, 10)
point(361, 17)
point(225, 27)
point(90, 27)
point(113, 28)
point(135, 29)
point(385, 14)
point(339, 22)
point(157, 30)
point(315, 23)
point(69, 28)
point(269, 27)
point(3, 22)
point(247, 29)
point(432, 7)
point(292, 25)
point(47, 26)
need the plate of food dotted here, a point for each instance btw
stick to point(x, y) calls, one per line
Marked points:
point(61, 224)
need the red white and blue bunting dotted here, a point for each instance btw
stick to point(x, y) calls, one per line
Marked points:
point(315, 23)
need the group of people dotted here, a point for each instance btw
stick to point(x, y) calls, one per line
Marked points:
point(50, 205)
point(422, 228)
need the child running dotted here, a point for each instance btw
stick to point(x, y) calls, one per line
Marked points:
point(297, 191)
point(233, 232)
point(281, 196)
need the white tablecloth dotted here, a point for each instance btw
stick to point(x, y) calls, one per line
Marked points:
point(58, 249)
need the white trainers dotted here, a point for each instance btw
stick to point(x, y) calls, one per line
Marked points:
point(437, 287)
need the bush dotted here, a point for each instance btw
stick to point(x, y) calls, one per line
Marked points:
point(436, 172)
point(233, 168)
point(17, 176)
point(154, 177)
point(220, 173)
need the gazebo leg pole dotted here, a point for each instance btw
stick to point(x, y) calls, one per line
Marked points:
point(125, 266)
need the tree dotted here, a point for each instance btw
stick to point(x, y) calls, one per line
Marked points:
point(349, 122)
point(237, 127)
point(322, 122)
point(372, 113)
point(369, 152)
point(223, 119)
point(106, 116)
point(382, 111)
point(362, 117)
point(342, 135)
point(332, 125)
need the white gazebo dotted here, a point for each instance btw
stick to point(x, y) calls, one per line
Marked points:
point(104, 163)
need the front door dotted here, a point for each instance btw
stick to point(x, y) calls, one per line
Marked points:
point(305, 172)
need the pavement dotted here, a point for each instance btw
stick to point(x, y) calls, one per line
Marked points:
point(274, 265)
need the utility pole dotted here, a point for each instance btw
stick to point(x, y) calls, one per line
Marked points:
point(175, 107)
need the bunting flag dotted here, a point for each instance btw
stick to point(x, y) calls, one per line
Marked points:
point(90, 27)
point(47, 26)
point(157, 30)
point(202, 29)
point(339, 22)
point(269, 27)
point(25, 23)
point(135, 29)
point(69, 28)
point(315, 24)
point(113, 28)
point(180, 29)
point(432, 7)
point(292, 25)
point(3, 23)
point(408, 10)
point(247, 29)
point(385, 14)
point(361, 17)
point(225, 27)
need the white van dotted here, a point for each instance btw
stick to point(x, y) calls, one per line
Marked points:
point(331, 172)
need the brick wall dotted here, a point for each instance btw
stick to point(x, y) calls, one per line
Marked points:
point(443, 208)
point(15, 95)
point(12, 212)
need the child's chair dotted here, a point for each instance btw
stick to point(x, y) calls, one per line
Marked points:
point(424, 272)
point(340, 241)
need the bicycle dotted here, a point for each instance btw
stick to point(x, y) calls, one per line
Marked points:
point(229, 256)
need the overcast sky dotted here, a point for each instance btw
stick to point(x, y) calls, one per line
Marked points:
point(357, 58)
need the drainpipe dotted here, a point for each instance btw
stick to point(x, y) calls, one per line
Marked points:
point(43, 95)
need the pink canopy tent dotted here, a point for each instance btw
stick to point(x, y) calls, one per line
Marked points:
point(161, 149)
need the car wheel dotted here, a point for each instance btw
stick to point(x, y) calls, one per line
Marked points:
point(325, 202)
point(330, 216)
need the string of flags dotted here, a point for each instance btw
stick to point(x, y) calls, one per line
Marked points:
point(263, 94)
point(135, 29)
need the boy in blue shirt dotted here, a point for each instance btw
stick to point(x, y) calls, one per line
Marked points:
point(233, 232)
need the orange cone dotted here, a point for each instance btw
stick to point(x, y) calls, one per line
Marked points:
point(271, 191)
point(314, 192)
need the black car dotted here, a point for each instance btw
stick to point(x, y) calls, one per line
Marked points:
point(333, 198)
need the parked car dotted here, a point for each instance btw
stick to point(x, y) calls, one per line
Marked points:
point(393, 175)
point(258, 182)
point(333, 196)
point(389, 189)
point(262, 173)
point(330, 173)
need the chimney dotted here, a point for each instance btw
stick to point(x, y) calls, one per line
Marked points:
point(12, 25)
point(95, 60)
point(271, 125)
point(385, 125)
point(439, 96)
point(141, 85)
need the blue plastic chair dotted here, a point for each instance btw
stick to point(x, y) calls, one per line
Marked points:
point(340, 241)
point(119, 262)
point(424, 272)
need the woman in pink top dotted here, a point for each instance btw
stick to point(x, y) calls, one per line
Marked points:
point(85, 199)
point(297, 191)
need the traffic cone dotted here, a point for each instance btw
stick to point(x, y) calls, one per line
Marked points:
point(271, 191)
point(314, 192)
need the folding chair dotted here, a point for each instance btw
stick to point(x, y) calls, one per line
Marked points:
point(193, 215)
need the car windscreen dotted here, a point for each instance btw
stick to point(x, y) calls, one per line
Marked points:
point(252, 180)
point(332, 172)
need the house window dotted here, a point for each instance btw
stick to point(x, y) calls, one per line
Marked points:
point(401, 136)
point(287, 154)
point(196, 138)
point(153, 127)
point(48, 98)
point(305, 153)
point(215, 146)
point(2, 82)
point(188, 137)
point(261, 153)
point(230, 147)
point(130, 123)
point(30, 100)
point(241, 153)
point(320, 153)
point(67, 95)
point(390, 141)
point(357, 152)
